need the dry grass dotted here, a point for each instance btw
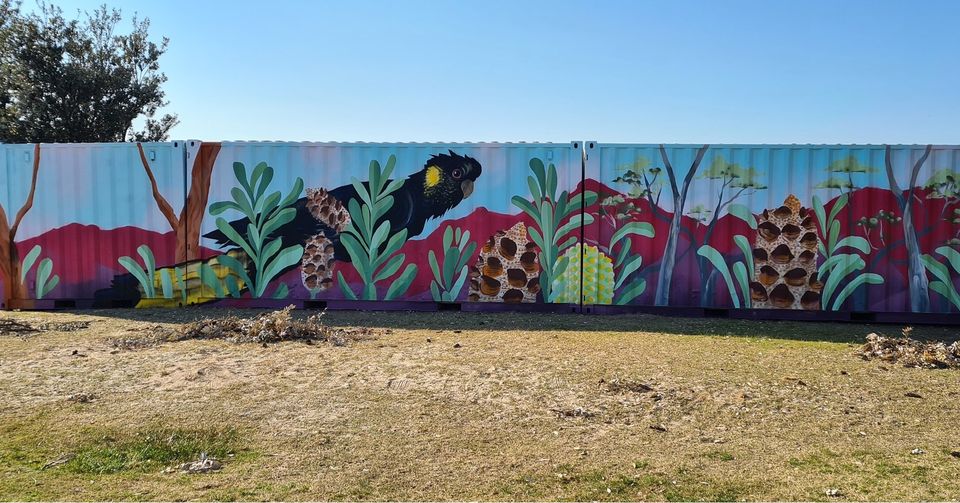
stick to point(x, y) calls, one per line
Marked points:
point(473, 406)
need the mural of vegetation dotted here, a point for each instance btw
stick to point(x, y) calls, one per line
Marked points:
point(370, 240)
point(735, 181)
point(690, 226)
point(265, 214)
point(555, 217)
point(743, 270)
point(149, 277)
point(44, 282)
point(450, 275)
point(943, 279)
point(837, 266)
point(623, 275)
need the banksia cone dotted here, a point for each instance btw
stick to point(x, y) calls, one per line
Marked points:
point(598, 277)
point(507, 270)
point(785, 259)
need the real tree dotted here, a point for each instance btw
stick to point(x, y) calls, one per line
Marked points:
point(79, 80)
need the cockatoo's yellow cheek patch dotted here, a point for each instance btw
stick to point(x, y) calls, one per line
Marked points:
point(433, 176)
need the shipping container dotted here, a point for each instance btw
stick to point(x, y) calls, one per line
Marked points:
point(816, 231)
point(81, 214)
point(859, 228)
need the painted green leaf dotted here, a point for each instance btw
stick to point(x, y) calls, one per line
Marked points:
point(635, 290)
point(221, 206)
point(623, 253)
point(865, 278)
point(536, 237)
point(447, 237)
point(282, 291)
point(834, 234)
point(393, 245)
point(466, 255)
point(294, 193)
point(344, 288)
point(526, 206)
point(458, 286)
point(400, 285)
point(166, 284)
point(287, 257)
point(638, 228)
point(434, 266)
point(952, 256)
point(265, 207)
point(265, 173)
point(572, 225)
point(234, 236)
point(43, 275)
point(435, 292)
point(947, 291)
point(715, 258)
point(838, 205)
point(28, 261)
point(49, 286)
point(147, 255)
point(362, 192)
point(551, 181)
point(589, 197)
point(240, 172)
point(740, 273)
point(536, 165)
point(821, 215)
point(134, 268)
point(743, 213)
point(839, 272)
point(744, 244)
point(358, 255)
point(209, 278)
point(245, 204)
point(450, 265)
point(938, 270)
point(270, 250)
point(629, 268)
point(392, 266)
point(232, 286)
point(534, 189)
point(237, 268)
point(854, 242)
point(391, 188)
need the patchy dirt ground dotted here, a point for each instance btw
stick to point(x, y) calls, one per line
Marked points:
point(472, 406)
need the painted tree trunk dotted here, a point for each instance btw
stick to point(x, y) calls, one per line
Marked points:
point(916, 272)
point(665, 279)
point(669, 258)
point(187, 225)
point(9, 256)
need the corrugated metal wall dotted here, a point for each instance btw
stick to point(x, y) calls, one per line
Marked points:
point(772, 227)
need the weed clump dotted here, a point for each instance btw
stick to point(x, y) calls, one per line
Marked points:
point(911, 352)
point(275, 326)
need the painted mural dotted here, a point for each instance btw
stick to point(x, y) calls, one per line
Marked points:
point(833, 228)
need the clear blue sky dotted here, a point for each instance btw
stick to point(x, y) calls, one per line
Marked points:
point(633, 71)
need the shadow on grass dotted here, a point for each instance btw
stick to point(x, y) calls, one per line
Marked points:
point(564, 322)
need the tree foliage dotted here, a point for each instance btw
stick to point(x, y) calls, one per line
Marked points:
point(78, 80)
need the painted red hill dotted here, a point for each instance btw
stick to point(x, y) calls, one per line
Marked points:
point(85, 256)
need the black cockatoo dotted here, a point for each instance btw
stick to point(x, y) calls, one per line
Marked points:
point(444, 181)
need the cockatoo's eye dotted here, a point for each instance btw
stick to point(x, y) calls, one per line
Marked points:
point(457, 173)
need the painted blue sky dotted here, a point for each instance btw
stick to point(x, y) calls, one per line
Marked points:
point(815, 71)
